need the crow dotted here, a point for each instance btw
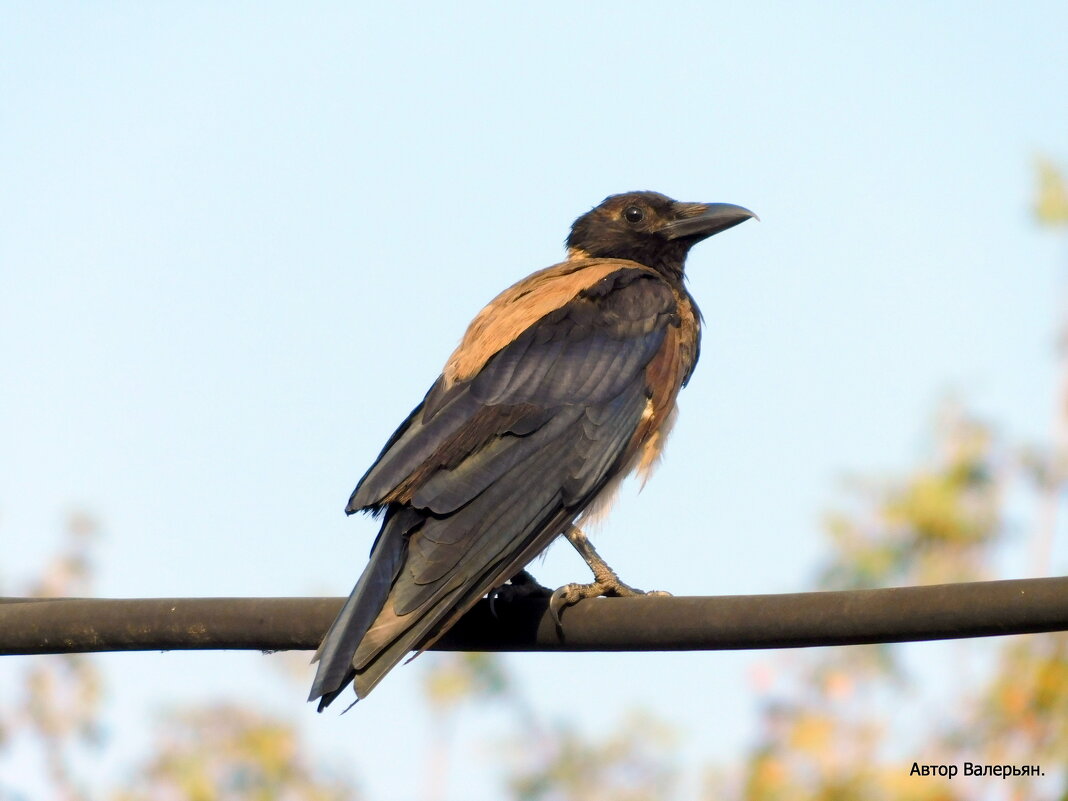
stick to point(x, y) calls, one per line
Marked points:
point(563, 385)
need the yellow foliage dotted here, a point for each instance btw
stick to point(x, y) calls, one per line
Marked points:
point(231, 753)
point(1051, 201)
point(931, 526)
point(812, 733)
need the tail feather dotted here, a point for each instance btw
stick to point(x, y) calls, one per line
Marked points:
point(425, 627)
point(453, 560)
point(394, 635)
point(362, 607)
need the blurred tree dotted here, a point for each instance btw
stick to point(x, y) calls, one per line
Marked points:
point(204, 753)
point(827, 735)
point(1049, 464)
point(57, 699)
point(1051, 201)
point(635, 761)
point(450, 681)
point(933, 526)
point(230, 753)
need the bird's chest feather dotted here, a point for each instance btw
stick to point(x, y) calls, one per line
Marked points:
point(664, 376)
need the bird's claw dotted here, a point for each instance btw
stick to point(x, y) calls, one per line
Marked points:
point(609, 586)
point(606, 582)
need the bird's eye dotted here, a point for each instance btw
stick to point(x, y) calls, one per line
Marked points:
point(633, 214)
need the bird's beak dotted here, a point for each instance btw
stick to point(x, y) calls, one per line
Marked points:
point(705, 219)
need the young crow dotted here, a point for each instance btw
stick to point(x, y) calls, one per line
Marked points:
point(564, 384)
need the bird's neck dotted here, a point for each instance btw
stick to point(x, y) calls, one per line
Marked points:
point(671, 265)
point(672, 268)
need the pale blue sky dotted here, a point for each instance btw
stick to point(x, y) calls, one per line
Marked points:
point(207, 217)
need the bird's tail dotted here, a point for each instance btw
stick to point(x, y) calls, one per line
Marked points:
point(339, 645)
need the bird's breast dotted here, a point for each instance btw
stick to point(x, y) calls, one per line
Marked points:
point(664, 376)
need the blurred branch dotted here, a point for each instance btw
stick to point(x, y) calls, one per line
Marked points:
point(943, 611)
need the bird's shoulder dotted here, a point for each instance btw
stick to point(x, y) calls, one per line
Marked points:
point(558, 345)
point(632, 289)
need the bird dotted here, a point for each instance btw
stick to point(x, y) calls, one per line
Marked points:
point(562, 385)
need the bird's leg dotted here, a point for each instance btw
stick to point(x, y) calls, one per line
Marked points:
point(602, 573)
point(605, 582)
point(521, 585)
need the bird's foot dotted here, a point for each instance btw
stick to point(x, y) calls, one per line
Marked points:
point(522, 585)
point(573, 593)
point(605, 582)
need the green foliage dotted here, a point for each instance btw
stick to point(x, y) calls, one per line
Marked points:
point(929, 527)
point(1021, 715)
point(828, 736)
point(457, 677)
point(212, 753)
point(633, 762)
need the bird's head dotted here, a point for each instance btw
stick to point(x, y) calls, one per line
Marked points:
point(649, 228)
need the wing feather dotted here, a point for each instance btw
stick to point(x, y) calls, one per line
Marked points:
point(496, 463)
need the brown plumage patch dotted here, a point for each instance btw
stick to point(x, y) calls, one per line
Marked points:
point(664, 376)
point(520, 306)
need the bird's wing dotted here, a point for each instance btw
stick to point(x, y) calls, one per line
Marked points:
point(462, 410)
point(505, 451)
